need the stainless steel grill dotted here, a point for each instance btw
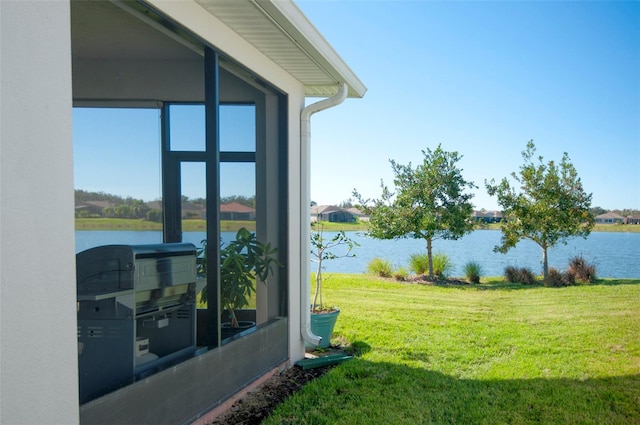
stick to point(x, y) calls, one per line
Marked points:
point(136, 313)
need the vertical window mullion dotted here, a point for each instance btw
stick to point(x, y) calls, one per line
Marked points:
point(171, 218)
point(212, 104)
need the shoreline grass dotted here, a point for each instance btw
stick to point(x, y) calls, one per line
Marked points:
point(491, 353)
point(194, 225)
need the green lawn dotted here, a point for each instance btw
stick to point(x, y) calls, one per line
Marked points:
point(493, 353)
point(194, 225)
point(628, 228)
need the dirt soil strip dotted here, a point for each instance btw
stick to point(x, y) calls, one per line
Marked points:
point(258, 404)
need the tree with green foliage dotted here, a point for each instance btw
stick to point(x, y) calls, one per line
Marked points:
point(429, 202)
point(550, 207)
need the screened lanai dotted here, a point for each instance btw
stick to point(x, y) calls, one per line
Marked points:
point(145, 91)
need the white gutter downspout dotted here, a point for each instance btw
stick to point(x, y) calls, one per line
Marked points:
point(305, 212)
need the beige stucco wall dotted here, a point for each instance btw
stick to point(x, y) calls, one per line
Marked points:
point(38, 342)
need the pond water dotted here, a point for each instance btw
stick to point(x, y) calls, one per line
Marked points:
point(616, 255)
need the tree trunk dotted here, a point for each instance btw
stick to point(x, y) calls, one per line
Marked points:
point(233, 319)
point(430, 258)
point(318, 293)
point(545, 263)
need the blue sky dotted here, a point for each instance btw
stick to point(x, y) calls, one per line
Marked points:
point(480, 78)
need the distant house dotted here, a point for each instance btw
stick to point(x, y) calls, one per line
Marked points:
point(335, 214)
point(193, 211)
point(230, 211)
point(236, 211)
point(632, 219)
point(487, 216)
point(359, 214)
point(610, 218)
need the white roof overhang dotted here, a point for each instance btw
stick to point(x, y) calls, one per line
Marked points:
point(283, 33)
point(277, 28)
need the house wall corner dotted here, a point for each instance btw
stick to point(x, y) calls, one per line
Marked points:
point(38, 341)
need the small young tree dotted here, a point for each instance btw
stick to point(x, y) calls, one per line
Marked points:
point(429, 203)
point(550, 207)
point(322, 250)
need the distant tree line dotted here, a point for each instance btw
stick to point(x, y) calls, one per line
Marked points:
point(129, 207)
point(82, 196)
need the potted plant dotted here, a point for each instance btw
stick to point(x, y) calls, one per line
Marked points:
point(324, 317)
point(242, 261)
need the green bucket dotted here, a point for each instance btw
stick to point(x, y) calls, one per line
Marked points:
point(322, 324)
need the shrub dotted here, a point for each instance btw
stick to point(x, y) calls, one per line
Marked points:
point(526, 276)
point(519, 275)
point(419, 263)
point(569, 278)
point(582, 270)
point(400, 274)
point(557, 278)
point(472, 271)
point(441, 265)
point(511, 274)
point(380, 267)
point(554, 278)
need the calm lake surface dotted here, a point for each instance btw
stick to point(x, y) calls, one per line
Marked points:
point(616, 255)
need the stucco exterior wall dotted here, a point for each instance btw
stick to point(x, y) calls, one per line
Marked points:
point(38, 341)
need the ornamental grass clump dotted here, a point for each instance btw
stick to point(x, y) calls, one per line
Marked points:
point(582, 270)
point(556, 278)
point(419, 263)
point(519, 275)
point(442, 265)
point(380, 267)
point(400, 274)
point(473, 271)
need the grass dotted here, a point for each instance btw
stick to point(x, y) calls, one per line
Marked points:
point(493, 353)
point(328, 226)
point(232, 225)
point(137, 224)
point(631, 228)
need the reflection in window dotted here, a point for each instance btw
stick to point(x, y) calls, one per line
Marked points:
point(238, 128)
point(193, 205)
point(117, 176)
point(187, 129)
point(238, 186)
point(237, 211)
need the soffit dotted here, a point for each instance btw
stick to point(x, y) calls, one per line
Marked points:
point(104, 30)
point(281, 31)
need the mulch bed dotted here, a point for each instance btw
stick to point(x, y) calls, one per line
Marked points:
point(258, 404)
point(425, 279)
